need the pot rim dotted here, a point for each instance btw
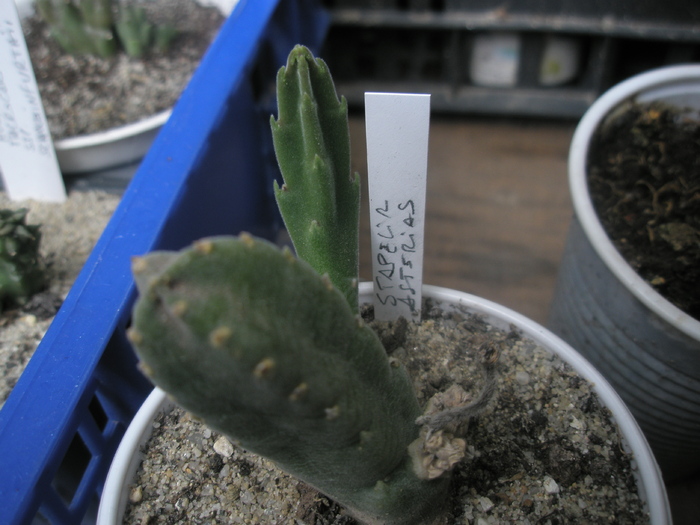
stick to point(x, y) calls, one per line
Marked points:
point(651, 487)
point(653, 490)
point(634, 87)
point(116, 133)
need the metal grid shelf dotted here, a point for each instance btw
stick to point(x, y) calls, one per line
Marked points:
point(427, 46)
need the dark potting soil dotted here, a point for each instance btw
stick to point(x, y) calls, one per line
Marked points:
point(644, 180)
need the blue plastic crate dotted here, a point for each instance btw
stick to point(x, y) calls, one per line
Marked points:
point(208, 172)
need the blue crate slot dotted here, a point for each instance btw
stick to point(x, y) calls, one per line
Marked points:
point(208, 172)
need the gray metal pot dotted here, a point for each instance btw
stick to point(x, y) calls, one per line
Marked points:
point(648, 349)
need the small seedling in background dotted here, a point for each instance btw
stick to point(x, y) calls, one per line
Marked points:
point(101, 27)
point(21, 270)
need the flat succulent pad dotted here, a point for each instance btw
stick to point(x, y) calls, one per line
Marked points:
point(265, 350)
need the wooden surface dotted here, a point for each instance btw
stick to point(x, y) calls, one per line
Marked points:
point(498, 208)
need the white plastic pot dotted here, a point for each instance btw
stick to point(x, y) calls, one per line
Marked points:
point(645, 346)
point(118, 146)
point(651, 487)
point(107, 149)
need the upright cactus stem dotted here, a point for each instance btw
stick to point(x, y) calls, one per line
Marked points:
point(320, 197)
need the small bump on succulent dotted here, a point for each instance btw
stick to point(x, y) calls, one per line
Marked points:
point(332, 413)
point(365, 437)
point(134, 336)
point(205, 247)
point(219, 336)
point(179, 308)
point(299, 392)
point(138, 265)
point(145, 369)
point(264, 368)
point(247, 239)
point(288, 255)
point(327, 282)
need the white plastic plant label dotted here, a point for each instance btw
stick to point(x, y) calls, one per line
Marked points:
point(397, 128)
point(27, 157)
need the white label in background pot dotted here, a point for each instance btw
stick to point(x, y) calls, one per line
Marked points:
point(397, 163)
point(27, 157)
point(495, 59)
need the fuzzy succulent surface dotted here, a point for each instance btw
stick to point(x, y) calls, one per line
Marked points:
point(263, 349)
point(91, 27)
point(269, 349)
point(320, 198)
point(21, 270)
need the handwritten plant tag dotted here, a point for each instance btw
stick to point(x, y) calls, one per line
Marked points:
point(397, 160)
point(27, 157)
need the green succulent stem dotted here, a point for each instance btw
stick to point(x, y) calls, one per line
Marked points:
point(320, 198)
point(266, 351)
point(21, 269)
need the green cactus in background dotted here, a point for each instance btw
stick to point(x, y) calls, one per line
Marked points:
point(320, 198)
point(266, 351)
point(84, 28)
point(21, 270)
point(137, 34)
point(90, 27)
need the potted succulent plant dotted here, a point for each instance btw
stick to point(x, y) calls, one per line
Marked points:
point(22, 271)
point(90, 27)
point(102, 29)
point(271, 351)
point(608, 304)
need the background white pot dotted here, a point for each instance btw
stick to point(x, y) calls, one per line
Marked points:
point(652, 490)
point(118, 146)
point(645, 346)
point(107, 149)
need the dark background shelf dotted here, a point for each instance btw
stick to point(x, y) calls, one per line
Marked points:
point(427, 46)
